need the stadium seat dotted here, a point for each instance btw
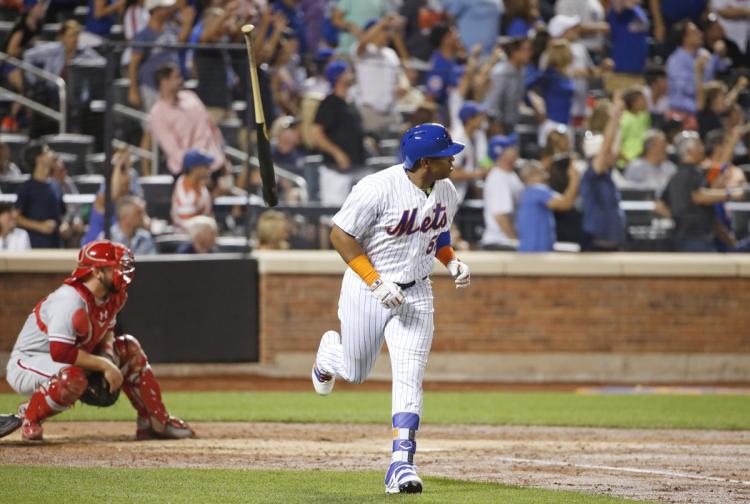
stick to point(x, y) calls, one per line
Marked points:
point(157, 191)
point(168, 243)
point(78, 145)
point(389, 146)
point(9, 184)
point(528, 136)
point(50, 31)
point(637, 194)
point(381, 162)
point(80, 13)
point(232, 244)
point(121, 91)
point(312, 177)
point(96, 163)
point(17, 144)
point(5, 28)
point(86, 82)
point(230, 129)
point(88, 184)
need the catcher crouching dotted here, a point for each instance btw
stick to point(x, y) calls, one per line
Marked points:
point(67, 351)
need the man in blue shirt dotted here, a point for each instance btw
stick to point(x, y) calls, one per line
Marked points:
point(603, 221)
point(682, 66)
point(629, 27)
point(478, 21)
point(535, 222)
point(443, 67)
point(40, 209)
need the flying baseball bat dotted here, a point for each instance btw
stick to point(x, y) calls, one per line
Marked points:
point(267, 173)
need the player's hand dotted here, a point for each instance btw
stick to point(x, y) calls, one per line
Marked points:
point(112, 375)
point(389, 294)
point(460, 273)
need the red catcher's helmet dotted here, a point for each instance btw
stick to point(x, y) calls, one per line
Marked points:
point(103, 253)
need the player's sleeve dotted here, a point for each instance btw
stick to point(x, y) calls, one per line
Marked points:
point(452, 202)
point(360, 210)
point(67, 317)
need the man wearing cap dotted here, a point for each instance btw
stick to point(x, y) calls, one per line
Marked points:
point(179, 120)
point(390, 230)
point(472, 133)
point(380, 77)
point(337, 132)
point(190, 196)
point(144, 61)
point(502, 192)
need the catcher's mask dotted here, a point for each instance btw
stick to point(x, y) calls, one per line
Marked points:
point(103, 253)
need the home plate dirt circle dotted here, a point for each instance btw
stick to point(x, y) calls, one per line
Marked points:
point(680, 466)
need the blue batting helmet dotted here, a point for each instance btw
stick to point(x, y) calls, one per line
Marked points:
point(427, 140)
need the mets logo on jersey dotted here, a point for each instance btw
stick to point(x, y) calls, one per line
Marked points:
point(408, 224)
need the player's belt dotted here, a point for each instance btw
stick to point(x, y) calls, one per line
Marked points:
point(405, 286)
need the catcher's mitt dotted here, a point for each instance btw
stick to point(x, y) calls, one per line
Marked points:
point(9, 423)
point(97, 392)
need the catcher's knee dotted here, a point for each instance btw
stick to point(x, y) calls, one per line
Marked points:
point(68, 385)
point(130, 353)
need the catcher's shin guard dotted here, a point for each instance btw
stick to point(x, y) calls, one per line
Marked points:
point(59, 393)
point(143, 390)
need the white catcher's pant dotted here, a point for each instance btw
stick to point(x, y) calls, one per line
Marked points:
point(365, 323)
point(26, 372)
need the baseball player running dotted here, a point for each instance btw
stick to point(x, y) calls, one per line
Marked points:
point(67, 351)
point(390, 228)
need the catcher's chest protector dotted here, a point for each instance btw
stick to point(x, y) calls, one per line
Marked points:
point(92, 324)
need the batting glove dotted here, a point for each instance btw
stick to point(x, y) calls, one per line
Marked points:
point(460, 272)
point(389, 294)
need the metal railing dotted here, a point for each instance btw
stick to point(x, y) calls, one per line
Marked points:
point(62, 116)
point(295, 179)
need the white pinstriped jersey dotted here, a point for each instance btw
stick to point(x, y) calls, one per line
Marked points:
point(397, 223)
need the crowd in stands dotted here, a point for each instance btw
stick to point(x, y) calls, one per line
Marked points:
point(565, 107)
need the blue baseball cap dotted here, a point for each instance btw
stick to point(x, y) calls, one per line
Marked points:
point(334, 70)
point(429, 140)
point(324, 54)
point(195, 157)
point(470, 109)
point(499, 143)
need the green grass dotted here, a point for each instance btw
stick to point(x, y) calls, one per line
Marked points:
point(83, 485)
point(491, 408)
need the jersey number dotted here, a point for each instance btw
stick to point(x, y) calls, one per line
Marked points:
point(431, 246)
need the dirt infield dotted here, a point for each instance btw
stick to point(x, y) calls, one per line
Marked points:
point(682, 466)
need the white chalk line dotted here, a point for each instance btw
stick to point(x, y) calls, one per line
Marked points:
point(634, 470)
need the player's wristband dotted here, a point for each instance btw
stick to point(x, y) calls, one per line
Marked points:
point(362, 266)
point(445, 255)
